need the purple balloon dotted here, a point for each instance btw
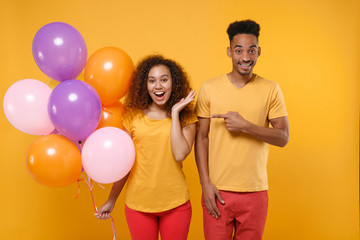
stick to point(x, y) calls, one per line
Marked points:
point(74, 108)
point(79, 144)
point(59, 51)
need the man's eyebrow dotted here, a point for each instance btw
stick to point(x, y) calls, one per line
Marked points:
point(252, 46)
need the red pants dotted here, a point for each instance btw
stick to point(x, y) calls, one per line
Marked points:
point(242, 217)
point(173, 224)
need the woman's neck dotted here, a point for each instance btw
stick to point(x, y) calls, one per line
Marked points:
point(156, 112)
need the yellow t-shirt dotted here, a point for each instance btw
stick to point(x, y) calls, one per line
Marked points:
point(237, 162)
point(156, 182)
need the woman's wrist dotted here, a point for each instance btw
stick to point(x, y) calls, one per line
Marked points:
point(174, 114)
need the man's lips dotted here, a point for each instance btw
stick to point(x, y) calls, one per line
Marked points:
point(245, 66)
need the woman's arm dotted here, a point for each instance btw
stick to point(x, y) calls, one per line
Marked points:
point(181, 138)
point(105, 210)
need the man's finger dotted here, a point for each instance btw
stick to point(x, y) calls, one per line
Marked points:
point(221, 200)
point(216, 211)
point(211, 209)
point(219, 116)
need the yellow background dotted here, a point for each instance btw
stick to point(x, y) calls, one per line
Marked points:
point(310, 47)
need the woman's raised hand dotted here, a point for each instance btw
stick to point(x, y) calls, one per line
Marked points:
point(176, 109)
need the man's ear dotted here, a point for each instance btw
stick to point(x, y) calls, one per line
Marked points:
point(228, 51)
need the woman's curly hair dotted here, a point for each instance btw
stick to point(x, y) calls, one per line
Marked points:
point(138, 97)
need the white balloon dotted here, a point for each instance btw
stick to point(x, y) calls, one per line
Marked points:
point(25, 106)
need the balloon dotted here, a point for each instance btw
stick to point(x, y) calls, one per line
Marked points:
point(54, 161)
point(75, 109)
point(59, 51)
point(109, 71)
point(53, 83)
point(108, 155)
point(25, 106)
point(78, 144)
point(111, 116)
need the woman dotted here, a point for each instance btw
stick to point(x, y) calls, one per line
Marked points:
point(159, 118)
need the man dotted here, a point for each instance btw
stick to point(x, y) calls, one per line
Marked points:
point(235, 111)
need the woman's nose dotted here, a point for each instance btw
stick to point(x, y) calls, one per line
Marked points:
point(158, 84)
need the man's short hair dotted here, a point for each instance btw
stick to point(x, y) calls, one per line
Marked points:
point(243, 27)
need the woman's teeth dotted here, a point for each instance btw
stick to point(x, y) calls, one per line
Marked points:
point(159, 94)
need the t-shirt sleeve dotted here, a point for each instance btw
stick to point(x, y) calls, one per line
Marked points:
point(127, 122)
point(203, 103)
point(277, 106)
point(191, 120)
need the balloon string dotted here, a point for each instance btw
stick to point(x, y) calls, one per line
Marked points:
point(105, 109)
point(81, 145)
point(113, 227)
point(92, 196)
point(78, 183)
point(85, 179)
point(89, 183)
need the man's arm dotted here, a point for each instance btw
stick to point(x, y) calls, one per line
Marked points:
point(278, 135)
point(210, 192)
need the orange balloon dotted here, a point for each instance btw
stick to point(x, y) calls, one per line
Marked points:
point(109, 71)
point(111, 116)
point(54, 161)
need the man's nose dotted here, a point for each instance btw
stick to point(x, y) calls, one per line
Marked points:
point(245, 57)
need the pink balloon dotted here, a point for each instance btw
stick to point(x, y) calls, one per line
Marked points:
point(108, 155)
point(25, 106)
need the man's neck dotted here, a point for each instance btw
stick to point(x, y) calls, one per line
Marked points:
point(239, 80)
